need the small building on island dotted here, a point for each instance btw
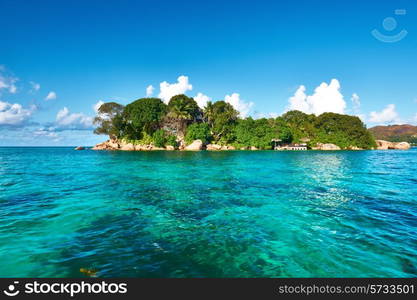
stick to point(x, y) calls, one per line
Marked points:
point(276, 142)
point(296, 147)
point(278, 145)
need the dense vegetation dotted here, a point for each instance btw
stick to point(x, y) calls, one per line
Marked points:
point(396, 133)
point(149, 120)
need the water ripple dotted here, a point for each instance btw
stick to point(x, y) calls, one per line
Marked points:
point(208, 214)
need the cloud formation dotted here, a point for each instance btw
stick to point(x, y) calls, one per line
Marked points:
point(51, 96)
point(168, 90)
point(356, 101)
point(65, 120)
point(149, 90)
point(45, 133)
point(241, 106)
point(14, 114)
point(356, 107)
point(387, 116)
point(326, 98)
point(261, 115)
point(202, 99)
point(97, 106)
point(8, 83)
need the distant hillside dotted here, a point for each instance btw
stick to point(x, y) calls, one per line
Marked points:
point(395, 133)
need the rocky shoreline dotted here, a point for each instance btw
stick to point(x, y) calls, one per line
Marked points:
point(385, 145)
point(197, 145)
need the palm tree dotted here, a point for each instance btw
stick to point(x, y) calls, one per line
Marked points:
point(209, 113)
point(181, 111)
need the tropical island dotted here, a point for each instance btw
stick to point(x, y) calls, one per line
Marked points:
point(150, 124)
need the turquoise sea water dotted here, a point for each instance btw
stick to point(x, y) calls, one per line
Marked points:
point(208, 214)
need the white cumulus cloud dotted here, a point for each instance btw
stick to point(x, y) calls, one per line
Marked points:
point(326, 98)
point(387, 116)
point(299, 100)
point(356, 101)
point(241, 106)
point(168, 90)
point(202, 99)
point(51, 96)
point(97, 106)
point(8, 83)
point(14, 114)
point(149, 90)
point(67, 120)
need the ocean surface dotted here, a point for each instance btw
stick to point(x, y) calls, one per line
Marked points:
point(208, 214)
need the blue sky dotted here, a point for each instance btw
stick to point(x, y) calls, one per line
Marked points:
point(264, 57)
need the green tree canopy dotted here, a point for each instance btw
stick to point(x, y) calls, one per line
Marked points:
point(182, 110)
point(198, 131)
point(300, 124)
point(221, 117)
point(343, 130)
point(144, 115)
point(261, 132)
point(109, 120)
point(284, 131)
point(151, 121)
